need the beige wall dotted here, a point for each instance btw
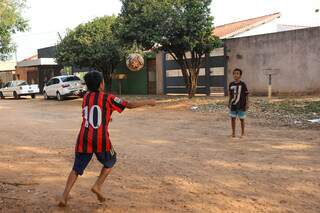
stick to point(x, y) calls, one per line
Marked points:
point(295, 53)
point(7, 65)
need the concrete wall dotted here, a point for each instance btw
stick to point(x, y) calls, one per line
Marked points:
point(295, 53)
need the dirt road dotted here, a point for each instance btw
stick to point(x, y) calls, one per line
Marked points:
point(170, 159)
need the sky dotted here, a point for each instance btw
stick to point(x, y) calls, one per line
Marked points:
point(47, 18)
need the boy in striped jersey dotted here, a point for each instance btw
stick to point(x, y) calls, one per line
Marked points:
point(238, 101)
point(93, 138)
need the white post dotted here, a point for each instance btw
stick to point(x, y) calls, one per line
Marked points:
point(270, 88)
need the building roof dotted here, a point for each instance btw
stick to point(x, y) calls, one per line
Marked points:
point(35, 61)
point(235, 28)
point(34, 57)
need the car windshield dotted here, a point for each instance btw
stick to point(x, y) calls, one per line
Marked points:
point(70, 78)
point(22, 83)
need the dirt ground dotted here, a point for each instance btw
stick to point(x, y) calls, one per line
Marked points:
point(170, 159)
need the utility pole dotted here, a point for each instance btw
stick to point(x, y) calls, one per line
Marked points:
point(16, 55)
point(60, 37)
point(317, 17)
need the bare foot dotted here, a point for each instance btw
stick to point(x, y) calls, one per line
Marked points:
point(62, 202)
point(233, 136)
point(97, 192)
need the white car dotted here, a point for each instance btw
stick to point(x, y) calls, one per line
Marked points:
point(63, 86)
point(18, 88)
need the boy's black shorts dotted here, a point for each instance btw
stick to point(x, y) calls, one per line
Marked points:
point(82, 160)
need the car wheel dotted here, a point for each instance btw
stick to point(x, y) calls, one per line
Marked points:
point(45, 96)
point(15, 95)
point(33, 96)
point(1, 96)
point(59, 96)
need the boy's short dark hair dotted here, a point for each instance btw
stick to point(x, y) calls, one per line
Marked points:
point(93, 80)
point(237, 70)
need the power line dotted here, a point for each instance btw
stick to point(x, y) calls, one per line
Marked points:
point(35, 34)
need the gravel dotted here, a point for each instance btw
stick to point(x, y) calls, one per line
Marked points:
point(283, 113)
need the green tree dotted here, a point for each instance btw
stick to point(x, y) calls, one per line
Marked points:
point(11, 22)
point(92, 45)
point(177, 27)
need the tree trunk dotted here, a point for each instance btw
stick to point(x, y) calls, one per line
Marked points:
point(107, 77)
point(109, 83)
point(193, 84)
point(191, 77)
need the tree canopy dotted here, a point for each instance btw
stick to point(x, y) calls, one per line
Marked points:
point(11, 22)
point(177, 27)
point(91, 45)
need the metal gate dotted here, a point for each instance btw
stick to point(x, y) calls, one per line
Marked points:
point(212, 76)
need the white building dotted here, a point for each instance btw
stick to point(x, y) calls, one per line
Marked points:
point(256, 26)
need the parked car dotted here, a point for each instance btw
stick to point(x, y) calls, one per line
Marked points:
point(63, 86)
point(19, 88)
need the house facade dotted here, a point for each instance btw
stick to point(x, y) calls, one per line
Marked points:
point(38, 68)
point(254, 45)
point(7, 71)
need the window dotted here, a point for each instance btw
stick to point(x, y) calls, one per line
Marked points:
point(22, 83)
point(13, 84)
point(55, 81)
point(49, 82)
point(70, 78)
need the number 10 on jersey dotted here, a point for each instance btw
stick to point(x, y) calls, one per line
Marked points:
point(92, 115)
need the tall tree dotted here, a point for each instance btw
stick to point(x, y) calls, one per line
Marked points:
point(11, 22)
point(91, 45)
point(177, 27)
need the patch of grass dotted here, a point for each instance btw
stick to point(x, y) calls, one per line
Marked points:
point(293, 107)
point(313, 107)
point(220, 103)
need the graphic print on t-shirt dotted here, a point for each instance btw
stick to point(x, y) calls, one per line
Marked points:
point(238, 93)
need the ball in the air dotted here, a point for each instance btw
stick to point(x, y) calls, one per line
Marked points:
point(135, 62)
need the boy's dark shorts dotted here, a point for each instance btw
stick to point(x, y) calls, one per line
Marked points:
point(82, 160)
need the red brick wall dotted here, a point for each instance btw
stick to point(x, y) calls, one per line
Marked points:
point(22, 73)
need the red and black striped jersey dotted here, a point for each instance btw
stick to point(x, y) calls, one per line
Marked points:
point(97, 108)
